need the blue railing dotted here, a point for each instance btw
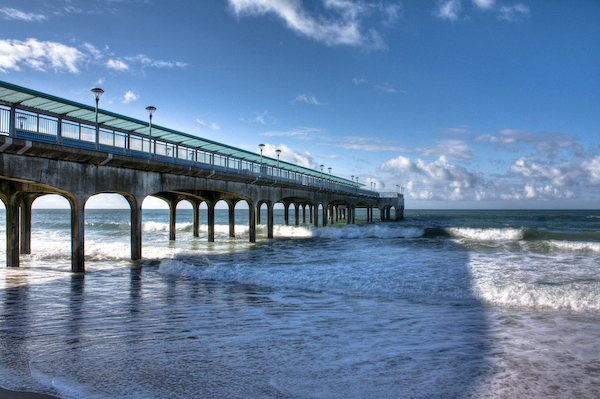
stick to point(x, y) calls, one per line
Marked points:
point(39, 127)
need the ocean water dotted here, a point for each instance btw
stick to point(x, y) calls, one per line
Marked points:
point(444, 304)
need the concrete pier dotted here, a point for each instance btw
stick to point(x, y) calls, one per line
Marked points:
point(44, 157)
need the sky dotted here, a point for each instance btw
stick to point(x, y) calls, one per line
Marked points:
point(463, 103)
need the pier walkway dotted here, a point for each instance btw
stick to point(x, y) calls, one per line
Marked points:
point(50, 145)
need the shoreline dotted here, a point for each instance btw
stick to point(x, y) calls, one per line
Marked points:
point(7, 394)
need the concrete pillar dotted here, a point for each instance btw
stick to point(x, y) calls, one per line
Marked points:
point(303, 213)
point(296, 215)
point(78, 234)
point(270, 222)
point(316, 215)
point(324, 215)
point(26, 223)
point(331, 217)
point(196, 217)
point(310, 214)
point(172, 219)
point(211, 221)
point(136, 229)
point(348, 215)
point(252, 222)
point(286, 214)
point(258, 215)
point(232, 220)
point(353, 214)
point(12, 230)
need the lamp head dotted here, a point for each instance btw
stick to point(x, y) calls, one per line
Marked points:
point(97, 92)
point(150, 110)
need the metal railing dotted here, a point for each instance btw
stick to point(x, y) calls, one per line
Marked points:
point(40, 127)
point(391, 195)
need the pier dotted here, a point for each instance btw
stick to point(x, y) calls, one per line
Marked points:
point(50, 145)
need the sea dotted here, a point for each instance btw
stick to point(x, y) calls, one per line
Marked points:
point(443, 304)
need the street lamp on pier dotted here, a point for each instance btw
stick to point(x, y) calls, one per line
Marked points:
point(261, 146)
point(97, 93)
point(278, 152)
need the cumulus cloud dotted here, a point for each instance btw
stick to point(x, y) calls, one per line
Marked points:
point(303, 98)
point(448, 9)
point(39, 55)
point(13, 13)
point(129, 97)
point(214, 126)
point(370, 144)
point(289, 155)
point(343, 29)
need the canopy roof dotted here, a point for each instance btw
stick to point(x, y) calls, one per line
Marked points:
point(59, 107)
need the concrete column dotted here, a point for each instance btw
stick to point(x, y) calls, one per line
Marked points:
point(26, 223)
point(330, 210)
point(348, 215)
point(196, 217)
point(270, 220)
point(252, 222)
point(258, 215)
point(296, 215)
point(286, 214)
point(353, 214)
point(303, 213)
point(12, 230)
point(324, 215)
point(310, 214)
point(231, 220)
point(172, 219)
point(78, 234)
point(136, 229)
point(316, 215)
point(211, 221)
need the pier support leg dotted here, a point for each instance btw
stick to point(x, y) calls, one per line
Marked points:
point(315, 210)
point(303, 213)
point(331, 209)
point(211, 221)
point(136, 229)
point(172, 219)
point(258, 215)
point(231, 220)
point(352, 214)
point(26, 223)
point(310, 214)
point(12, 230)
point(324, 215)
point(196, 217)
point(270, 221)
point(286, 214)
point(77, 234)
point(252, 222)
point(296, 215)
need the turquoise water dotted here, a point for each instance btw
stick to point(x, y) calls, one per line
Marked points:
point(452, 304)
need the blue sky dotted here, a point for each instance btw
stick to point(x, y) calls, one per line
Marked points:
point(464, 103)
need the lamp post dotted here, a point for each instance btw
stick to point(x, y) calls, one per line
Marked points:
point(97, 93)
point(22, 119)
point(261, 146)
point(151, 111)
point(278, 152)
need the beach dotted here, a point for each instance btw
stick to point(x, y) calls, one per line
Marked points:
point(456, 304)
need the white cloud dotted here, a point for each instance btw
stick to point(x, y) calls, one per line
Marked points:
point(129, 97)
point(370, 144)
point(12, 13)
point(449, 9)
point(117, 64)
point(289, 155)
point(450, 148)
point(484, 4)
point(308, 100)
point(545, 144)
point(359, 81)
point(214, 126)
point(39, 55)
point(518, 12)
point(343, 30)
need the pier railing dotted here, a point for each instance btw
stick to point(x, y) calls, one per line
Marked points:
point(70, 132)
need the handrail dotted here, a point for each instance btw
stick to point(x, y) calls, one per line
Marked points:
point(37, 126)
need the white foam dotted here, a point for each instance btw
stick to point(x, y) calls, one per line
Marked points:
point(507, 234)
point(576, 246)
